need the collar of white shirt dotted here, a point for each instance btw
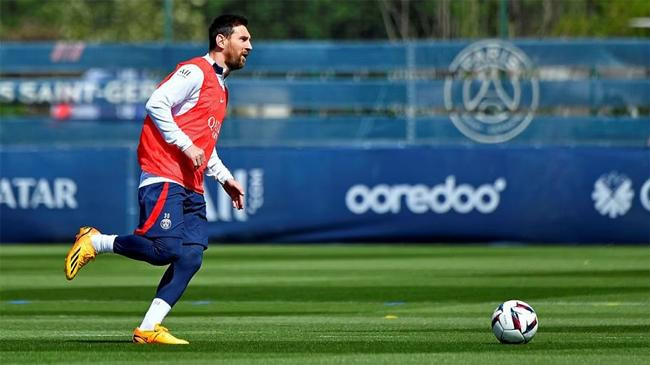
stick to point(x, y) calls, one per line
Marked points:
point(218, 69)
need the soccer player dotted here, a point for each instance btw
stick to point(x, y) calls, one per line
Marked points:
point(177, 147)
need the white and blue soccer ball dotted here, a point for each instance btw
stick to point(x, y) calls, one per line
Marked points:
point(514, 322)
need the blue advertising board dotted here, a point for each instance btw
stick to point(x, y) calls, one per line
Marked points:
point(328, 194)
point(432, 194)
point(46, 194)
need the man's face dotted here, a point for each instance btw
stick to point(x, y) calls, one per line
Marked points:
point(237, 47)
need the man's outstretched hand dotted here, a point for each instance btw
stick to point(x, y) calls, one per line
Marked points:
point(236, 193)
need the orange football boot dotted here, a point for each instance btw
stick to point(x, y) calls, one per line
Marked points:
point(159, 335)
point(81, 253)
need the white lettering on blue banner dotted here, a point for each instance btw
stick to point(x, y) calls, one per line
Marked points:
point(80, 92)
point(419, 199)
point(33, 193)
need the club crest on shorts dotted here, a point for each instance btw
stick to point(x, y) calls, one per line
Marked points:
point(166, 223)
point(492, 91)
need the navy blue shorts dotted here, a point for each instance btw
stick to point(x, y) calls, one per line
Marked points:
point(170, 210)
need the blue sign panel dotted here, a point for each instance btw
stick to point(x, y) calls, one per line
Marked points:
point(46, 195)
point(425, 194)
point(431, 194)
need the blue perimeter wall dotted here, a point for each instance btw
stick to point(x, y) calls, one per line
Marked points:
point(321, 194)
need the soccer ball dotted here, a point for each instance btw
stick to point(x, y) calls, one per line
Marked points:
point(514, 321)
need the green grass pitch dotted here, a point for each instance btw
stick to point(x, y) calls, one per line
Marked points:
point(327, 304)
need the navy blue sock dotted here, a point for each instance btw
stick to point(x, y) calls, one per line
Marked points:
point(157, 251)
point(179, 273)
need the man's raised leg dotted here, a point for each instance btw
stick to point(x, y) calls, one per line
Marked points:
point(156, 251)
point(90, 242)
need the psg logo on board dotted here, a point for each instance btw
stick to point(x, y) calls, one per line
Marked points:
point(491, 92)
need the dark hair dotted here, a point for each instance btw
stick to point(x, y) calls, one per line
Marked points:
point(223, 25)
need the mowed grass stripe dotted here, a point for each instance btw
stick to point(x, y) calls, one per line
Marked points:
point(328, 304)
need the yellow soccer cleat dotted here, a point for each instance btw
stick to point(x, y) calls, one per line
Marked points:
point(81, 252)
point(159, 335)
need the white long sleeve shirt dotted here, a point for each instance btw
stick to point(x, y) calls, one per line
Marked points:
point(175, 97)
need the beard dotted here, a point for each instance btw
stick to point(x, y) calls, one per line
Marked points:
point(235, 62)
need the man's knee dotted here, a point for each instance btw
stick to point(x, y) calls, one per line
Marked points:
point(168, 249)
point(192, 257)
